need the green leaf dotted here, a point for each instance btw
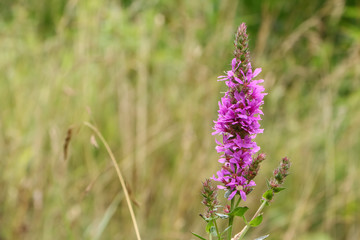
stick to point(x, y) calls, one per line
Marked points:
point(222, 216)
point(268, 195)
point(213, 231)
point(256, 221)
point(226, 229)
point(210, 218)
point(209, 225)
point(198, 236)
point(262, 237)
point(239, 211)
point(278, 189)
point(267, 203)
point(245, 221)
point(268, 183)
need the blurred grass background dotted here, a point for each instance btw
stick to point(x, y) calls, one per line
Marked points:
point(145, 73)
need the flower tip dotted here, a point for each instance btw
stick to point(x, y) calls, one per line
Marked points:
point(261, 157)
point(242, 27)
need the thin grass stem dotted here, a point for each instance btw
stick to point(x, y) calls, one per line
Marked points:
point(122, 182)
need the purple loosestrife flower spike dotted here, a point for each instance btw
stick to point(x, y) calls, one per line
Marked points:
point(238, 121)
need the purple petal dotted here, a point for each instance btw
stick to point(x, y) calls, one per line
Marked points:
point(256, 72)
point(243, 195)
point(232, 195)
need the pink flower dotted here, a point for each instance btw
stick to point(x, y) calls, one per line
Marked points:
point(238, 120)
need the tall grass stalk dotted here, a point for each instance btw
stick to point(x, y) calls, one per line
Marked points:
point(112, 157)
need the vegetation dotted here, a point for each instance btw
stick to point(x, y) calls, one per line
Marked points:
point(144, 73)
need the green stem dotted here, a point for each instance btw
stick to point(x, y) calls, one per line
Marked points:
point(241, 234)
point(237, 203)
point(231, 220)
point(217, 230)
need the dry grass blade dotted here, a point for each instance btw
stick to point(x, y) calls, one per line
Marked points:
point(67, 142)
point(119, 175)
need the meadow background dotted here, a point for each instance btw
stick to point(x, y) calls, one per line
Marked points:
point(144, 72)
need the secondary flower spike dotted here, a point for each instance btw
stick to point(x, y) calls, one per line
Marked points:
point(238, 120)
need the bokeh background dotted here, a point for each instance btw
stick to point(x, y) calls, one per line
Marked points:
point(144, 72)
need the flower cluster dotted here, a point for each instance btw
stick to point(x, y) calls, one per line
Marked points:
point(238, 121)
point(251, 171)
point(210, 198)
point(280, 173)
